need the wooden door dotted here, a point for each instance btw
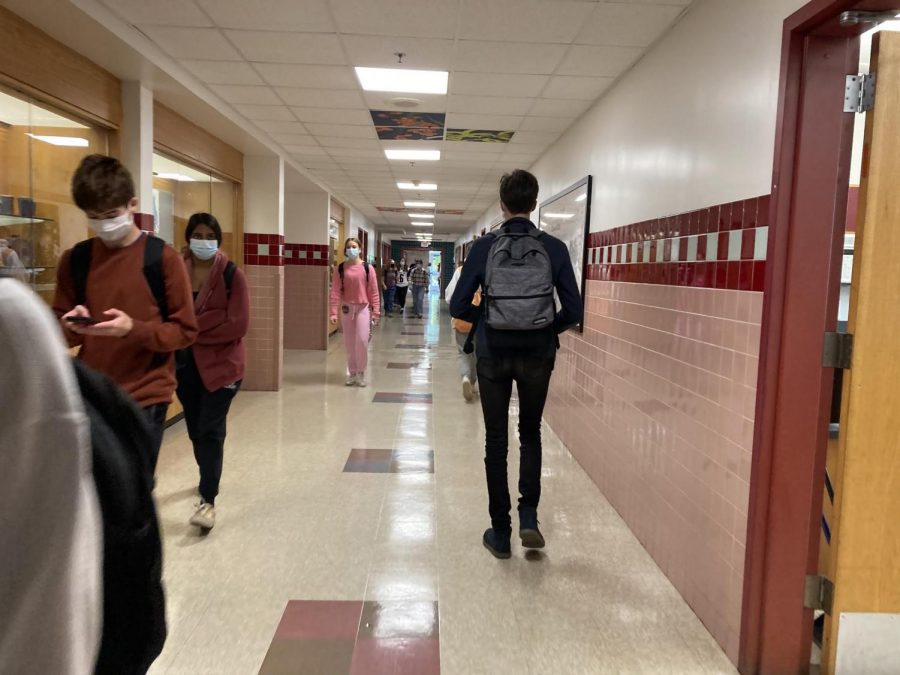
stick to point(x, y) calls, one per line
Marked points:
point(865, 560)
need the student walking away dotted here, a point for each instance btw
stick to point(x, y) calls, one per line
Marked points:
point(51, 595)
point(418, 280)
point(461, 330)
point(519, 268)
point(124, 296)
point(210, 372)
point(389, 285)
point(402, 286)
point(354, 291)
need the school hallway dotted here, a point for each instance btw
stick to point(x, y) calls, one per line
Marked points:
point(349, 539)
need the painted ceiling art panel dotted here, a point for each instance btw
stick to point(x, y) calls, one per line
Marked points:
point(393, 125)
point(479, 135)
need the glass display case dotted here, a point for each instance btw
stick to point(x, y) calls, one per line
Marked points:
point(40, 148)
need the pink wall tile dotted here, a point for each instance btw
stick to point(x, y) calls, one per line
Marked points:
point(305, 307)
point(265, 337)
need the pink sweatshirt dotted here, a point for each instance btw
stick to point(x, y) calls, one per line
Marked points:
point(355, 290)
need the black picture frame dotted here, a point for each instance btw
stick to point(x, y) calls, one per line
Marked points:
point(572, 232)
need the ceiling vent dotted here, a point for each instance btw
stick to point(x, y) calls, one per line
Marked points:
point(404, 102)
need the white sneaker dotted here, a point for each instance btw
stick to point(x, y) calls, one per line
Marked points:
point(205, 516)
point(361, 380)
point(352, 381)
point(468, 389)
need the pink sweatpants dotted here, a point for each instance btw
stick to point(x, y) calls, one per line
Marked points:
point(355, 324)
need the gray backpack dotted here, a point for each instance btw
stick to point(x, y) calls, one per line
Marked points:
point(518, 288)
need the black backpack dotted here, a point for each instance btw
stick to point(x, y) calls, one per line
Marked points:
point(341, 274)
point(134, 618)
point(518, 283)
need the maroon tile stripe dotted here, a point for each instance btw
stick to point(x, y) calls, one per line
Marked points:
point(714, 247)
point(266, 250)
point(313, 255)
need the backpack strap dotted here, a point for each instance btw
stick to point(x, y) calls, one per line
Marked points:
point(341, 273)
point(79, 266)
point(153, 273)
point(230, 269)
point(366, 266)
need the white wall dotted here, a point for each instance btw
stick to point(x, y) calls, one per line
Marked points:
point(306, 217)
point(358, 221)
point(691, 125)
point(263, 194)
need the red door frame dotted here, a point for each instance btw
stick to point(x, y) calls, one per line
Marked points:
point(808, 212)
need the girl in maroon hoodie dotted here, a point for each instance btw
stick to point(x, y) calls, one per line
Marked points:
point(210, 372)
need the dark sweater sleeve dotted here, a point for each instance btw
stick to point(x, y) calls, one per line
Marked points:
point(572, 311)
point(470, 281)
point(236, 321)
point(64, 297)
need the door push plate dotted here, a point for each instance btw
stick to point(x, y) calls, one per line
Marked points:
point(837, 351)
point(818, 593)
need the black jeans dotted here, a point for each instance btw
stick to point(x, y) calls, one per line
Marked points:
point(400, 298)
point(156, 418)
point(205, 413)
point(495, 378)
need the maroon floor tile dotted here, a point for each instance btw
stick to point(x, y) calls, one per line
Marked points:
point(412, 332)
point(400, 397)
point(319, 619)
point(308, 657)
point(368, 461)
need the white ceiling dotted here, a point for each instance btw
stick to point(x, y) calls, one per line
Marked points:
point(529, 66)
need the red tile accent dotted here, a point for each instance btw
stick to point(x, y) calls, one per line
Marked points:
point(737, 216)
point(746, 278)
point(762, 210)
point(750, 217)
point(759, 275)
point(667, 250)
point(722, 253)
point(748, 244)
point(724, 222)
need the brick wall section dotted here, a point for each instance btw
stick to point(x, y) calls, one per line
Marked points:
point(305, 307)
point(264, 267)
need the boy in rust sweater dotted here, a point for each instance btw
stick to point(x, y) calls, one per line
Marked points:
point(123, 296)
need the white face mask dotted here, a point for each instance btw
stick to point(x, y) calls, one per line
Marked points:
point(112, 229)
point(352, 252)
point(204, 248)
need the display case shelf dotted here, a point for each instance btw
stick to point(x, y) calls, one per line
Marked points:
point(10, 221)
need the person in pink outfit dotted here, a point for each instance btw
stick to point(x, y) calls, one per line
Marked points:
point(354, 290)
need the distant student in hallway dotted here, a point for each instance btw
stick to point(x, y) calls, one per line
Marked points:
point(461, 330)
point(354, 291)
point(418, 280)
point(389, 285)
point(519, 268)
point(124, 296)
point(402, 286)
point(210, 372)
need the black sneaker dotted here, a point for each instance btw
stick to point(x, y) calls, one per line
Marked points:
point(528, 529)
point(497, 543)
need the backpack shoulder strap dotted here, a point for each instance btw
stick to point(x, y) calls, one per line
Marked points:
point(153, 273)
point(341, 274)
point(230, 269)
point(79, 266)
point(366, 266)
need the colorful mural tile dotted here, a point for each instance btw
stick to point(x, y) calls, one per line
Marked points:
point(450, 212)
point(407, 120)
point(479, 135)
point(410, 134)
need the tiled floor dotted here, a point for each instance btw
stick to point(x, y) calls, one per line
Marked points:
point(394, 553)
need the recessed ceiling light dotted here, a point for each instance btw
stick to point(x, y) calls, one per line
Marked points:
point(65, 141)
point(413, 155)
point(421, 224)
point(581, 198)
point(417, 186)
point(419, 205)
point(564, 216)
point(421, 215)
point(403, 80)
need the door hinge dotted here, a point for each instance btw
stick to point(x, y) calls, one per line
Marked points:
point(818, 593)
point(837, 351)
point(859, 93)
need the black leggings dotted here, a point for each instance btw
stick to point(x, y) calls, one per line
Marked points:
point(400, 298)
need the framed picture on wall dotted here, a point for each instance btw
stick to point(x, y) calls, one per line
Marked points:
point(567, 216)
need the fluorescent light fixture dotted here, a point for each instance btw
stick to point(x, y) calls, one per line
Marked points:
point(543, 224)
point(415, 186)
point(564, 216)
point(403, 80)
point(180, 177)
point(65, 141)
point(413, 155)
point(419, 205)
point(421, 215)
point(421, 224)
point(581, 198)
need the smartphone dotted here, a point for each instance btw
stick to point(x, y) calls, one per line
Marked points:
point(82, 320)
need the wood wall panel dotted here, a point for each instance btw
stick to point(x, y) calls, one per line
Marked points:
point(182, 139)
point(33, 62)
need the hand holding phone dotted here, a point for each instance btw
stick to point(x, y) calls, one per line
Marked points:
point(81, 320)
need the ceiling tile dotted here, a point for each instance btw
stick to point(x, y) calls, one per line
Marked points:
point(273, 47)
point(249, 95)
point(307, 75)
point(294, 149)
point(333, 116)
point(582, 88)
point(489, 105)
point(344, 142)
point(496, 84)
point(599, 61)
point(377, 51)
point(546, 107)
point(192, 43)
point(487, 122)
point(523, 20)
point(422, 18)
point(311, 152)
point(276, 127)
point(273, 15)
point(321, 98)
point(379, 100)
point(342, 130)
point(159, 12)
point(293, 139)
point(637, 25)
point(508, 57)
point(277, 113)
point(222, 72)
point(557, 124)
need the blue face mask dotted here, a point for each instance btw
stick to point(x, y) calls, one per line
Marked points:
point(352, 252)
point(204, 248)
